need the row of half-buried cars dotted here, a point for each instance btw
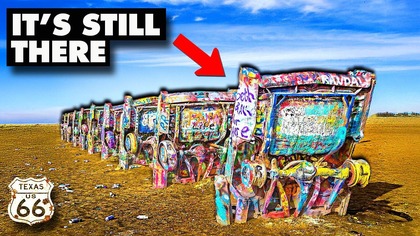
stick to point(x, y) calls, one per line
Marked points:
point(279, 145)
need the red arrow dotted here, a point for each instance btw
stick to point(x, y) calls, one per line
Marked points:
point(210, 65)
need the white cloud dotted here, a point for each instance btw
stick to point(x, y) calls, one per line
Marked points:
point(305, 6)
point(280, 47)
point(198, 19)
point(297, 57)
point(398, 68)
point(174, 17)
point(178, 2)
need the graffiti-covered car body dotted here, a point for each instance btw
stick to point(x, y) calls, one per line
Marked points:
point(110, 130)
point(62, 123)
point(291, 143)
point(146, 129)
point(66, 126)
point(138, 125)
point(191, 130)
point(75, 133)
point(95, 121)
point(83, 127)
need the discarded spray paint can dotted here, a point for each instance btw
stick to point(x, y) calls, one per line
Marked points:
point(142, 217)
point(100, 186)
point(75, 220)
point(108, 218)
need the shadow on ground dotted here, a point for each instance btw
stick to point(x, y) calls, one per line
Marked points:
point(364, 199)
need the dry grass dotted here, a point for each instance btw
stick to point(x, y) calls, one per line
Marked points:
point(391, 145)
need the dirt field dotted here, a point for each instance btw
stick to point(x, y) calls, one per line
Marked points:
point(389, 205)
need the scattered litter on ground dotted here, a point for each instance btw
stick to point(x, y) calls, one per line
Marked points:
point(75, 220)
point(142, 217)
point(116, 186)
point(100, 186)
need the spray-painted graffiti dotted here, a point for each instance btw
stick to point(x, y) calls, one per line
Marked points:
point(145, 101)
point(245, 105)
point(239, 130)
point(163, 122)
point(295, 121)
point(198, 96)
point(192, 127)
point(95, 121)
point(334, 79)
point(361, 79)
point(245, 102)
point(109, 134)
point(147, 121)
point(304, 125)
point(261, 117)
point(202, 123)
point(139, 119)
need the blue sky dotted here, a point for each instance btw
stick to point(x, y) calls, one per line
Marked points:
point(272, 35)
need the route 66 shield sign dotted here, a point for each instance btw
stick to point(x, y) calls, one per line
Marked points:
point(31, 202)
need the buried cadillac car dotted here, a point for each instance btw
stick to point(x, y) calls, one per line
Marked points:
point(291, 143)
point(191, 130)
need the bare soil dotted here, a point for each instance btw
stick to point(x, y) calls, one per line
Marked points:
point(389, 205)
